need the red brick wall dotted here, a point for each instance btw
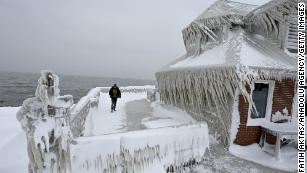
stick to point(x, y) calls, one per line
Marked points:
point(282, 97)
point(246, 134)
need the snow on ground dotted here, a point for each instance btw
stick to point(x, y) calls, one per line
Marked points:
point(7, 114)
point(254, 153)
point(220, 160)
point(165, 115)
point(134, 112)
point(104, 121)
point(13, 150)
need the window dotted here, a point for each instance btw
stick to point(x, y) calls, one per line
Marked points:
point(260, 97)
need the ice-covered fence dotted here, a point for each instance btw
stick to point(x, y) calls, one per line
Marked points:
point(130, 89)
point(170, 149)
point(81, 110)
point(96, 154)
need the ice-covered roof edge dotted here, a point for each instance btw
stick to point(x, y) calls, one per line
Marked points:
point(248, 71)
point(232, 55)
point(270, 19)
point(222, 12)
point(223, 8)
point(271, 5)
point(266, 16)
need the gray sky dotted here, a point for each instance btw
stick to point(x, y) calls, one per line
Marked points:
point(107, 38)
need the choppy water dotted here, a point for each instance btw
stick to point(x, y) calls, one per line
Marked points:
point(16, 87)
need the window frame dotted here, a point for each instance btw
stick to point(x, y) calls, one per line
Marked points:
point(256, 121)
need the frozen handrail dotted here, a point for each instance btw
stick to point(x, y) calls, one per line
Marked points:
point(80, 111)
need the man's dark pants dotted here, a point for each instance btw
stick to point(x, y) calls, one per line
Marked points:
point(113, 105)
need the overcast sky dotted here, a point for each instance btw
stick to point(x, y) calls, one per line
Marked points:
point(107, 38)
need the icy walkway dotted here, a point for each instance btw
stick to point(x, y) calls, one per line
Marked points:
point(136, 111)
point(106, 122)
point(133, 113)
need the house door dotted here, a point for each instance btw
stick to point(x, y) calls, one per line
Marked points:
point(260, 97)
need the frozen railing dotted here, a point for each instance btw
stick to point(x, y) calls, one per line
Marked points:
point(80, 111)
point(170, 149)
point(45, 120)
point(129, 89)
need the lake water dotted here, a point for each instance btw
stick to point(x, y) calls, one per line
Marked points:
point(16, 87)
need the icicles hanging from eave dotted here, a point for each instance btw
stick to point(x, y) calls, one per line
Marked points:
point(200, 31)
point(267, 16)
point(249, 74)
point(262, 73)
point(195, 35)
point(200, 79)
point(202, 91)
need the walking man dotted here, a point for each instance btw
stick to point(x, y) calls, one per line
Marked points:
point(114, 94)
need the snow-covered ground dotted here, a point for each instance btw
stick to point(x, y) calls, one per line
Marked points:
point(105, 121)
point(134, 112)
point(163, 116)
point(266, 157)
point(13, 145)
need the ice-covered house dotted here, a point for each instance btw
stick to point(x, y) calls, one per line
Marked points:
point(239, 71)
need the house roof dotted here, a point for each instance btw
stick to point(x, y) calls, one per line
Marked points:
point(282, 5)
point(220, 13)
point(265, 16)
point(241, 49)
point(226, 7)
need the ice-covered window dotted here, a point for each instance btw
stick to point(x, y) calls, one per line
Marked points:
point(260, 97)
